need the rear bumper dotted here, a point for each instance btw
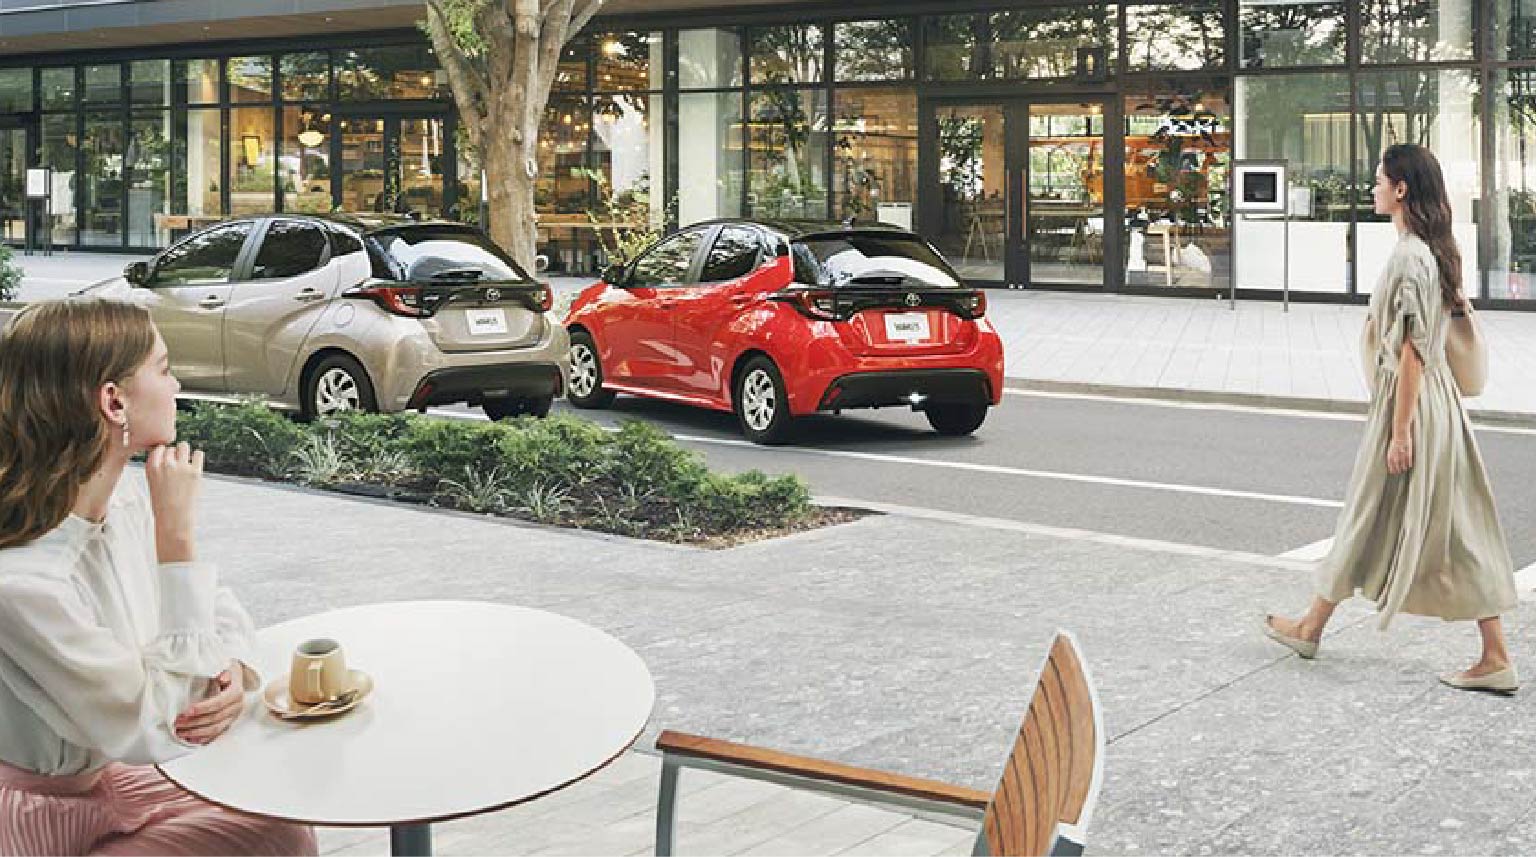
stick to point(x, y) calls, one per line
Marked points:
point(474, 384)
point(913, 387)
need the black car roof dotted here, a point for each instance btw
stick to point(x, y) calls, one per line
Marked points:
point(364, 222)
point(798, 229)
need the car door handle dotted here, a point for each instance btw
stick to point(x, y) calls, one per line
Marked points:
point(211, 302)
point(740, 300)
point(667, 304)
point(308, 295)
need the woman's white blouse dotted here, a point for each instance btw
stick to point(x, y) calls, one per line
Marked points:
point(101, 646)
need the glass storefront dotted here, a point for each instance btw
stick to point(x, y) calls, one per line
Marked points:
point(1039, 143)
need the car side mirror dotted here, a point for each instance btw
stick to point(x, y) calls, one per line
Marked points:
point(136, 273)
point(781, 249)
point(613, 275)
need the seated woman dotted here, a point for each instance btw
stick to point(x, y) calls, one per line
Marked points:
point(118, 649)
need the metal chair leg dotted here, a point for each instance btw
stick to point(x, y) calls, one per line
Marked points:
point(666, 807)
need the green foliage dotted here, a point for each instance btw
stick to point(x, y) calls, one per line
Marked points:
point(248, 439)
point(10, 274)
point(632, 209)
point(559, 470)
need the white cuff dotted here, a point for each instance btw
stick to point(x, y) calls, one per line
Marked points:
point(187, 592)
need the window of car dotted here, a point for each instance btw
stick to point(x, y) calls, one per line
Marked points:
point(290, 248)
point(733, 255)
point(344, 242)
point(437, 251)
point(668, 263)
point(838, 259)
point(207, 257)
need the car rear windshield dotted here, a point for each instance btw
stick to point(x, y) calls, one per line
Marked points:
point(862, 259)
point(439, 253)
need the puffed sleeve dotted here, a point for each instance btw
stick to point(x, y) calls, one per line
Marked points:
point(1410, 304)
point(89, 687)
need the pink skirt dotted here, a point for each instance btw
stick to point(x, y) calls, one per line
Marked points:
point(123, 809)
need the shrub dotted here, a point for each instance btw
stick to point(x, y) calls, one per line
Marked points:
point(248, 439)
point(562, 469)
point(10, 274)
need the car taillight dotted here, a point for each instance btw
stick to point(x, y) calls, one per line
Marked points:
point(819, 304)
point(545, 297)
point(975, 304)
point(399, 300)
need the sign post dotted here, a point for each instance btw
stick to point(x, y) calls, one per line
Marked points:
point(39, 187)
point(1260, 187)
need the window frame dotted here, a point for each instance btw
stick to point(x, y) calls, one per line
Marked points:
point(690, 275)
point(241, 256)
point(719, 232)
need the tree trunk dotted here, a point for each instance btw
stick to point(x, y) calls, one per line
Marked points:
point(510, 197)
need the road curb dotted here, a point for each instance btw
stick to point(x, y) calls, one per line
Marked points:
point(1255, 400)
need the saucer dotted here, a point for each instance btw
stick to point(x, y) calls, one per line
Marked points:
point(275, 694)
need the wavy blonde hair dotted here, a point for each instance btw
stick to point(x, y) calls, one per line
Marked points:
point(54, 358)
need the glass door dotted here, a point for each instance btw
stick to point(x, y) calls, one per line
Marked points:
point(1064, 225)
point(393, 164)
point(1019, 191)
point(13, 185)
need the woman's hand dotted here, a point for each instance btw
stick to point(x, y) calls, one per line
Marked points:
point(175, 478)
point(212, 717)
point(1399, 454)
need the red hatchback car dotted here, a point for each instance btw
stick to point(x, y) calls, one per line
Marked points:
point(775, 321)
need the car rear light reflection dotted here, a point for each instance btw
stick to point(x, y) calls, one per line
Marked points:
point(399, 300)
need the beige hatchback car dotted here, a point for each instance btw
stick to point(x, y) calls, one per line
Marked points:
point(327, 313)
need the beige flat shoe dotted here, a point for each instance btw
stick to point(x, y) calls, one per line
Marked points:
point(1305, 648)
point(1506, 681)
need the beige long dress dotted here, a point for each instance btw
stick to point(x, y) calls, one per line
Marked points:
point(1427, 541)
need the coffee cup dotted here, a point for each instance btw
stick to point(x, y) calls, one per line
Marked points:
point(319, 672)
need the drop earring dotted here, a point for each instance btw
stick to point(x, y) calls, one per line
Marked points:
point(125, 429)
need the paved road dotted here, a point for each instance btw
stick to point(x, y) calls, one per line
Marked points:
point(1214, 476)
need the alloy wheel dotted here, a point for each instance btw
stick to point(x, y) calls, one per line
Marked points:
point(759, 400)
point(583, 370)
point(337, 391)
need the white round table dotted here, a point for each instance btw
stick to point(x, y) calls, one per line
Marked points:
point(476, 707)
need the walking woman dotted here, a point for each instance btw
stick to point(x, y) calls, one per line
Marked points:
point(117, 647)
point(1419, 533)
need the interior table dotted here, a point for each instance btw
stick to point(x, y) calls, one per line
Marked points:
point(476, 707)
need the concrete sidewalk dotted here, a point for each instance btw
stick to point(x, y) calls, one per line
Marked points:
point(908, 644)
point(1187, 348)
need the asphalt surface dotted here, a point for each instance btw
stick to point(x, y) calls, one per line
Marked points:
point(1234, 479)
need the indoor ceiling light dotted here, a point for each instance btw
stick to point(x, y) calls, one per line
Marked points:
point(310, 138)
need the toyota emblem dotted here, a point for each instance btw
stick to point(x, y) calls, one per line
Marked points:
point(913, 299)
point(493, 295)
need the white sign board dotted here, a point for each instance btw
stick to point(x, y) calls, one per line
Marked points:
point(895, 213)
point(37, 182)
point(1301, 201)
point(1259, 187)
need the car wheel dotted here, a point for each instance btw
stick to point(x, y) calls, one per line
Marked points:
point(517, 406)
point(762, 405)
point(584, 387)
point(338, 383)
point(956, 420)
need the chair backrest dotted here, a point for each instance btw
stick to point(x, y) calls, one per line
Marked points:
point(1051, 781)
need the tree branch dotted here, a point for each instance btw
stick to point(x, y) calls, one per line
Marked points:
point(468, 82)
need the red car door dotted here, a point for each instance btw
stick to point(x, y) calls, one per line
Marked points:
point(636, 333)
point(730, 279)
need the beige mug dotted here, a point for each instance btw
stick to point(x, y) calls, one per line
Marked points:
point(319, 672)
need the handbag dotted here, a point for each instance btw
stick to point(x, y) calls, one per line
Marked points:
point(1466, 352)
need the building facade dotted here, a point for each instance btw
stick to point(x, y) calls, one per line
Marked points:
point(1066, 144)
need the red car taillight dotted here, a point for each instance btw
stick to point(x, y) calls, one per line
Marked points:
point(819, 304)
point(399, 300)
point(545, 297)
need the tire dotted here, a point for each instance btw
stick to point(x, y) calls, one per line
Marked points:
point(517, 406)
point(957, 419)
point(584, 384)
point(337, 383)
point(762, 402)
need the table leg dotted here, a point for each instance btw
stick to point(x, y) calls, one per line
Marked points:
point(410, 840)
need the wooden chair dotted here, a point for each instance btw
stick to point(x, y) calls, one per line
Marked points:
point(1043, 801)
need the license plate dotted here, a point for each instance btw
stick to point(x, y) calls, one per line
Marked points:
point(907, 326)
point(486, 322)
